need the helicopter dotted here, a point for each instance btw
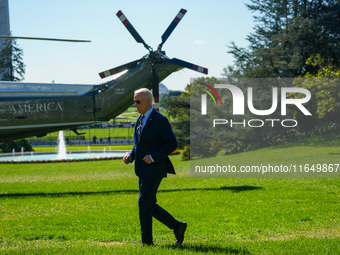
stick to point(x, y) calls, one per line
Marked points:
point(36, 109)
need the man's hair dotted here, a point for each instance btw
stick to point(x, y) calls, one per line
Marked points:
point(147, 93)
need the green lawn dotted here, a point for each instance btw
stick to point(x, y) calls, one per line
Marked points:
point(306, 158)
point(89, 133)
point(91, 208)
point(79, 148)
point(122, 132)
point(128, 115)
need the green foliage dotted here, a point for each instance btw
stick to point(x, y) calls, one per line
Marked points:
point(167, 102)
point(186, 92)
point(16, 145)
point(186, 153)
point(324, 85)
point(205, 149)
point(167, 96)
point(286, 34)
point(192, 89)
point(206, 139)
point(284, 138)
point(11, 66)
point(179, 108)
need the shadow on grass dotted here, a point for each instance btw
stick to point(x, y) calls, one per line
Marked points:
point(235, 189)
point(204, 248)
point(241, 188)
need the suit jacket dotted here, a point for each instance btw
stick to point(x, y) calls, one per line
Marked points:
point(157, 139)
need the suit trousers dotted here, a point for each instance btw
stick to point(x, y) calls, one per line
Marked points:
point(148, 208)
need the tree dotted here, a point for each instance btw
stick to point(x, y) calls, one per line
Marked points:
point(324, 86)
point(16, 146)
point(287, 33)
point(181, 124)
point(168, 95)
point(11, 66)
point(180, 110)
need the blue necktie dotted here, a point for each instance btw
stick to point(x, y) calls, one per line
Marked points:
point(139, 128)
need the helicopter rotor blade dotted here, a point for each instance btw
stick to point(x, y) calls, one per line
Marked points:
point(44, 39)
point(131, 29)
point(185, 64)
point(171, 27)
point(119, 69)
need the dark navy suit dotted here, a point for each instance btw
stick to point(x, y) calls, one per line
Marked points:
point(158, 140)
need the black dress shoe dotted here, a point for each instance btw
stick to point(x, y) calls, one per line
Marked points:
point(179, 233)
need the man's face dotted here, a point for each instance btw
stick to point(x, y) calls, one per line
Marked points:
point(144, 105)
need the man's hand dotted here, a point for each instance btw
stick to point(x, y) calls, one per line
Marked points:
point(147, 159)
point(126, 159)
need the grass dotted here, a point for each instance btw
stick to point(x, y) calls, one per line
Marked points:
point(101, 132)
point(126, 132)
point(80, 148)
point(89, 133)
point(132, 112)
point(308, 154)
point(91, 208)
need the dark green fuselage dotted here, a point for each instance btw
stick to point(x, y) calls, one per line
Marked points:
point(35, 109)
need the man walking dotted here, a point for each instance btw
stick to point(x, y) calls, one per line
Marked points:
point(154, 141)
